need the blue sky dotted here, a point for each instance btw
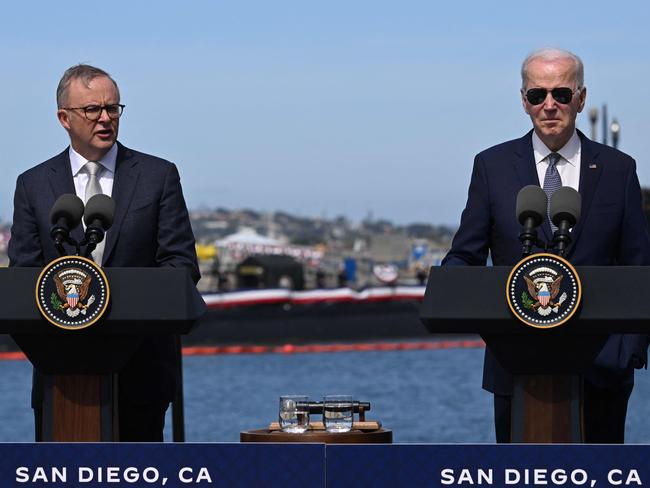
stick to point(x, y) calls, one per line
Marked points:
point(322, 109)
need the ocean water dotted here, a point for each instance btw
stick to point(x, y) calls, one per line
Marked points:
point(432, 396)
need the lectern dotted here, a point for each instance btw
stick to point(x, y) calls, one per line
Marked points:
point(80, 366)
point(547, 364)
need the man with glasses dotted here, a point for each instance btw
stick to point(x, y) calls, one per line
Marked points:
point(151, 229)
point(611, 231)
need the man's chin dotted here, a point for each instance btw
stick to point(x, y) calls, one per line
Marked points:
point(551, 126)
point(554, 131)
point(96, 150)
point(553, 139)
point(103, 144)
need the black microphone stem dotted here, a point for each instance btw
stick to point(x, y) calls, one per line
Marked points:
point(528, 236)
point(562, 237)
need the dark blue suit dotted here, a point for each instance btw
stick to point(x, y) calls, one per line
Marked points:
point(151, 229)
point(611, 231)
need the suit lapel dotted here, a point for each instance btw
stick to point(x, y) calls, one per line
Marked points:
point(61, 182)
point(590, 171)
point(124, 185)
point(524, 164)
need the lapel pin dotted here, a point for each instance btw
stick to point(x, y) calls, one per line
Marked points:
point(592, 166)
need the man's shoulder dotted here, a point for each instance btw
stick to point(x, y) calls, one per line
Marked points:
point(606, 153)
point(41, 168)
point(150, 161)
point(506, 148)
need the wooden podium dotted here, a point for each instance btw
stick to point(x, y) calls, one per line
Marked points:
point(547, 364)
point(79, 366)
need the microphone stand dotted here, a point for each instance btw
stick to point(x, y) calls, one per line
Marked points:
point(58, 244)
point(528, 238)
point(94, 235)
point(562, 237)
point(90, 247)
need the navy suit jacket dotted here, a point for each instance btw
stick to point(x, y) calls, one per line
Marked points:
point(611, 231)
point(151, 229)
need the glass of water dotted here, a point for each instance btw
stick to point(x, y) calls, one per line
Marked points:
point(294, 413)
point(338, 412)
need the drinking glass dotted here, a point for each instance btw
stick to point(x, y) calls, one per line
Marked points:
point(294, 413)
point(338, 412)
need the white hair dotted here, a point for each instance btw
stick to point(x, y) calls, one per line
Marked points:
point(553, 54)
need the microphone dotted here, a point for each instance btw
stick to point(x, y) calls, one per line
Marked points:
point(65, 215)
point(565, 213)
point(531, 211)
point(98, 217)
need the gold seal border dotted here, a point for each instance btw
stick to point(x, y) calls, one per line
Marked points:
point(535, 256)
point(94, 265)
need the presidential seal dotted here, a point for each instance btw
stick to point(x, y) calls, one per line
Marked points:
point(72, 292)
point(543, 291)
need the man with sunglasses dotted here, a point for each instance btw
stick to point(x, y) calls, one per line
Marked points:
point(611, 231)
point(151, 229)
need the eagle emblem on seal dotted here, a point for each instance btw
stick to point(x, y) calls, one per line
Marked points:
point(543, 288)
point(543, 291)
point(72, 286)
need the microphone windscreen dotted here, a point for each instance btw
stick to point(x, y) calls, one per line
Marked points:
point(100, 207)
point(531, 202)
point(565, 205)
point(68, 206)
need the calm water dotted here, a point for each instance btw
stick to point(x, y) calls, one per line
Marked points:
point(423, 396)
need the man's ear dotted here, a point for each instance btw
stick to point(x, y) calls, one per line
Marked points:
point(523, 101)
point(583, 99)
point(64, 118)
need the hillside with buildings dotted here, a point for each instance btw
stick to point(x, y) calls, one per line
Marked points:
point(331, 251)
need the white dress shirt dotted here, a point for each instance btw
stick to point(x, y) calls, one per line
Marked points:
point(80, 176)
point(106, 178)
point(569, 164)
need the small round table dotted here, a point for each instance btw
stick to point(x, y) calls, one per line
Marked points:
point(380, 436)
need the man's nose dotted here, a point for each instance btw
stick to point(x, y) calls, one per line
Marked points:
point(549, 102)
point(103, 115)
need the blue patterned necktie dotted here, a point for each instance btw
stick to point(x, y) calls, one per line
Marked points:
point(552, 182)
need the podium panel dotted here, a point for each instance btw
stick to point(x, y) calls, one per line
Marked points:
point(79, 366)
point(472, 299)
point(547, 363)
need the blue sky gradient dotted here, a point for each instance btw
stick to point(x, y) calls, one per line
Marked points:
point(322, 109)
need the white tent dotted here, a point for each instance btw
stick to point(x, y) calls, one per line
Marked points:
point(247, 236)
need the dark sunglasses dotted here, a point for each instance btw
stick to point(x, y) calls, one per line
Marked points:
point(563, 95)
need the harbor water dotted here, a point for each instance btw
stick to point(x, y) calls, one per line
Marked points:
point(424, 396)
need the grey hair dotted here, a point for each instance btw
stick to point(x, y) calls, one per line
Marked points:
point(553, 54)
point(83, 72)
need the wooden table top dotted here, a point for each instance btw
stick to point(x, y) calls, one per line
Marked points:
point(380, 436)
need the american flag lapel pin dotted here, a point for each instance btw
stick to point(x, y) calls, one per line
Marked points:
point(592, 166)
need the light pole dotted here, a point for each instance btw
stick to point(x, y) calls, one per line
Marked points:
point(605, 124)
point(616, 132)
point(593, 117)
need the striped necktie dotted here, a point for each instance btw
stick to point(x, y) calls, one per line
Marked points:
point(552, 182)
point(93, 188)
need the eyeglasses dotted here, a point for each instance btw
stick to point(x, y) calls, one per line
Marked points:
point(94, 112)
point(563, 95)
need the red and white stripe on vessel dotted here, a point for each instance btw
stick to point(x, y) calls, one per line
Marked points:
point(270, 296)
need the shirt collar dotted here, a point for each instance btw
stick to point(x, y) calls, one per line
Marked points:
point(569, 152)
point(77, 161)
